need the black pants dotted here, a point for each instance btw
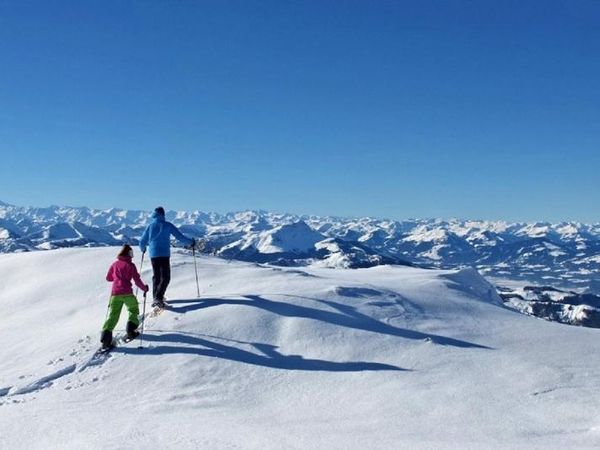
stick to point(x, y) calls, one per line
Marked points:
point(161, 268)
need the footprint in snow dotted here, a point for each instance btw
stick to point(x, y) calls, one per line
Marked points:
point(55, 361)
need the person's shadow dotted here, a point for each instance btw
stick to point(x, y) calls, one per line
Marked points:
point(343, 316)
point(195, 344)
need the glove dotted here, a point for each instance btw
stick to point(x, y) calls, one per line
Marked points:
point(146, 288)
point(143, 249)
point(193, 243)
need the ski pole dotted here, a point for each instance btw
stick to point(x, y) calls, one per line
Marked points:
point(143, 320)
point(141, 267)
point(196, 270)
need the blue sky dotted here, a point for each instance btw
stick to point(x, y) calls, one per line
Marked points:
point(473, 109)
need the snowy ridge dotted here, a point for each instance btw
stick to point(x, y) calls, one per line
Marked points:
point(276, 357)
point(554, 304)
point(563, 254)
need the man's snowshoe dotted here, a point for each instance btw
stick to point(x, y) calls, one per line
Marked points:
point(158, 303)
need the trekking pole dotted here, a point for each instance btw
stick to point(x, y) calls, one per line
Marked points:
point(196, 269)
point(141, 266)
point(141, 346)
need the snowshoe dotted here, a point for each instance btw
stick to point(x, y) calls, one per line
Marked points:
point(158, 303)
point(105, 349)
point(132, 332)
point(131, 336)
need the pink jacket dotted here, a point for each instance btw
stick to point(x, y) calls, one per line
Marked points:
point(120, 273)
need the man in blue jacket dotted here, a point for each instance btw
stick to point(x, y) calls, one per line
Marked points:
point(157, 237)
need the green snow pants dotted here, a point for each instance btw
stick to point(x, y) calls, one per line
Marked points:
point(116, 304)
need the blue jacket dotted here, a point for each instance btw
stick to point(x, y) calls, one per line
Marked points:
point(158, 235)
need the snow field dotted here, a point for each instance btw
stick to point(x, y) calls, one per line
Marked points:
point(386, 357)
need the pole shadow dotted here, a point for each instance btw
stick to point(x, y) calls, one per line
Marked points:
point(343, 316)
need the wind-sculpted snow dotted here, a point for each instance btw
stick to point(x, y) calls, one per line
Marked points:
point(562, 254)
point(278, 357)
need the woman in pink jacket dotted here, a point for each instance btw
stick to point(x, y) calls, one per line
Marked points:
point(121, 272)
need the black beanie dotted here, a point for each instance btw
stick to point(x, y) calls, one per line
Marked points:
point(160, 211)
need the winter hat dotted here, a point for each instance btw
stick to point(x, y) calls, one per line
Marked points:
point(126, 250)
point(160, 211)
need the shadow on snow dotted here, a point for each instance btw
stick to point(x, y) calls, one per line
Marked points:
point(268, 357)
point(344, 316)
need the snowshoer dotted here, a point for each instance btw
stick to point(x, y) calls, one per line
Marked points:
point(157, 238)
point(120, 273)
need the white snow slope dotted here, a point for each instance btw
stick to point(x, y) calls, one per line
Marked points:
point(386, 357)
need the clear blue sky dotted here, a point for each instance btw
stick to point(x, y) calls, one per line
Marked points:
point(473, 109)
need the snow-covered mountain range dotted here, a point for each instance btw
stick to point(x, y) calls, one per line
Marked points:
point(553, 304)
point(562, 255)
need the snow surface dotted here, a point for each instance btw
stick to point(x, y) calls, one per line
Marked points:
point(271, 357)
point(294, 238)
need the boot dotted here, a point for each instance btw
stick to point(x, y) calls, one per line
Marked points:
point(158, 303)
point(106, 339)
point(132, 332)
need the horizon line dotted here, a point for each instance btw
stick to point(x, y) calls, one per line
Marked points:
point(306, 215)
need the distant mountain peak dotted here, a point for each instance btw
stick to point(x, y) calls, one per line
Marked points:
point(564, 254)
point(295, 237)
